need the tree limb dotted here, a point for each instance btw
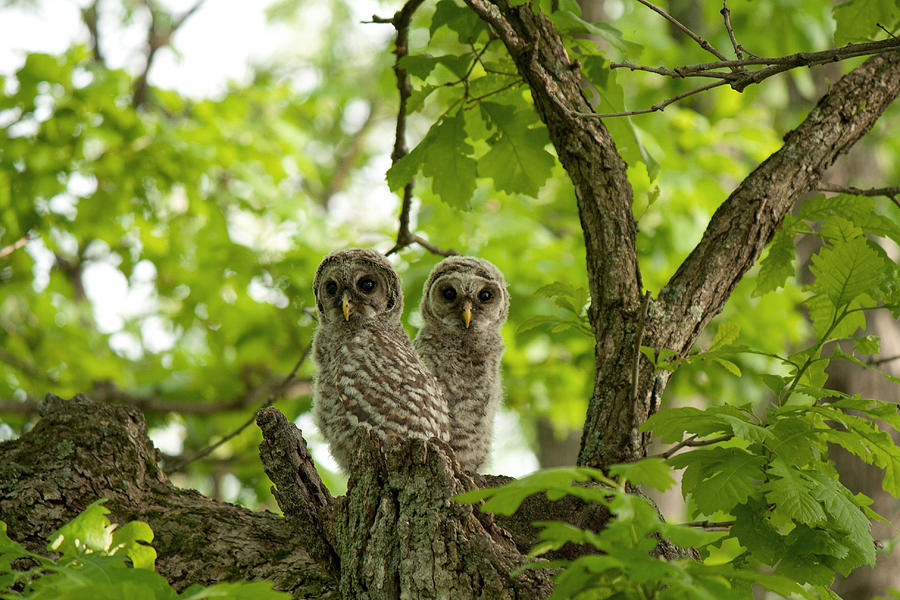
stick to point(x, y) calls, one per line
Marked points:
point(745, 222)
point(400, 21)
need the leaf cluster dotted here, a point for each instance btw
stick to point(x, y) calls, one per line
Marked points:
point(627, 563)
point(96, 560)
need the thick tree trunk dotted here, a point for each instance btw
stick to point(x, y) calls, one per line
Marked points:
point(736, 234)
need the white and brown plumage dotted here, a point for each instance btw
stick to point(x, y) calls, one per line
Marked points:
point(369, 375)
point(465, 303)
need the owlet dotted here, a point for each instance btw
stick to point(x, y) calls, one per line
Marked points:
point(369, 376)
point(464, 305)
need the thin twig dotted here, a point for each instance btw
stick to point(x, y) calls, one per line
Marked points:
point(881, 361)
point(709, 524)
point(157, 39)
point(703, 43)
point(400, 21)
point(656, 107)
point(886, 30)
point(893, 193)
point(692, 442)
point(740, 79)
point(635, 366)
point(19, 243)
point(269, 402)
point(726, 14)
point(849, 189)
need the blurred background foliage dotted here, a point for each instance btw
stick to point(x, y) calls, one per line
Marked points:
point(172, 237)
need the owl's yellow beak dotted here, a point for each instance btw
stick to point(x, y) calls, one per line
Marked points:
point(467, 313)
point(346, 307)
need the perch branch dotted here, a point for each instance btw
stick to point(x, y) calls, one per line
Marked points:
point(298, 489)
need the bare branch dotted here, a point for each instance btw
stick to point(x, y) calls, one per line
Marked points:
point(401, 48)
point(703, 43)
point(739, 78)
point(692, 442)
point(710, 524)
point(269, 402)
point(881, 361)
point(157, 37)
point(893, 193)
point(19, 243)
point(656, 107)
point(91, 17)
point(726, 14)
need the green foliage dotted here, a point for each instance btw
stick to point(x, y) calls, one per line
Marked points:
point(626, 564)
point(91, 565)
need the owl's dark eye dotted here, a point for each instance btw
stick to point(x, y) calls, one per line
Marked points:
point(331, 288)
point(485, 295)
point(365, 285)
point(448, 293)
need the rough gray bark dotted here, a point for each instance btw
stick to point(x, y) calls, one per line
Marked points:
point(736, 234)
point(395, 534)
point(81, 450)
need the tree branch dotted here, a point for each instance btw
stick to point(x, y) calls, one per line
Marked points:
point(684, 29)
point(158, 36)
point(19, 243)
point(692, 442)
point(745, 222)
point(299, 490)
point(893, 193)
point(739, 78)
point(400, 21)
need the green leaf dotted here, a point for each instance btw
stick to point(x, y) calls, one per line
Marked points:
point(611, 99)
point(460, 19)
point(725, 334)
point(443, 155)
point(421, 65)
point(719, 478)
point(842, 508)
point(506, 499)
point(240, 590)
point(671, 424)
point(517, 161)
point(652, 472)
point(729, 366)
point(134, 538)
point(778, 264)
point(791, 493)
point(858, 20)
point(846, 270)
point(90, 531)
point(837, 229)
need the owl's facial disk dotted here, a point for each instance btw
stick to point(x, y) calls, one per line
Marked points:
point(470, 302)
point(365, 298)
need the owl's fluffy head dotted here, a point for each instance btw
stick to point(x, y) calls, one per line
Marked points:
point(355, 284)
point(465, 293)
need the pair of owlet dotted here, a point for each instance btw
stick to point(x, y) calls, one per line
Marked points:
point(371, 377)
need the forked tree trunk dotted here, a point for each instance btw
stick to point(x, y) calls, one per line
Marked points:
point(397, 533)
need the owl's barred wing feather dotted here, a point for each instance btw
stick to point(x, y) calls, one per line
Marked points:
point(369, 375)
point(464, 304)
